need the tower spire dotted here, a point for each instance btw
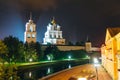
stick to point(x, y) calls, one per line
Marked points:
point(53, 20)
point(87, 40)
point(30, 15)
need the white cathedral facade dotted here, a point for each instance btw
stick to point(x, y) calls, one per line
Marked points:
point(53, 35)
point(30, 31)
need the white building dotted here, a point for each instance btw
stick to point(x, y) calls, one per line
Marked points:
point(30, 32)
point(53, 35)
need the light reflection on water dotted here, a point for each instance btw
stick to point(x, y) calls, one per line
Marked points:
point(69, 66)
point(39, 72)
point(49, 70)
point(30, 74)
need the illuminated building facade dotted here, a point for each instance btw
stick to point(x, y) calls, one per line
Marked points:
point(53, 35)
point(111, 52)
point(30, 32)
point(88, 45)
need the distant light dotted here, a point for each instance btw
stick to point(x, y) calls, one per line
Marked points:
point(48, 71)
point(69, 57)
point(82, 79)
point(49, 58)
point(30, 59)
point(95, 60)
point(69, 66)
point(96, 65)
point(30, 74)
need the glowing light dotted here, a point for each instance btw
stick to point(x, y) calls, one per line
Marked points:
point(49, 58)
point(82, 79)
point(30, 59)
point(69, 66)
point(48, 71)
point(96, 65)
point(95, 60)
point(69, 57)
point(30, 74)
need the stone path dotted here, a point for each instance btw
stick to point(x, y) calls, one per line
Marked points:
point(76, 71)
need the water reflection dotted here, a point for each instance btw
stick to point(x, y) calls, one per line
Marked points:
point(30, 74)
point(69, 66)
point(41, 71)
point(49, 70)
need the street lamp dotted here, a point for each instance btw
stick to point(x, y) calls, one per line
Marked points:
point(30, 59)
point(96, 63)
point(49, 58)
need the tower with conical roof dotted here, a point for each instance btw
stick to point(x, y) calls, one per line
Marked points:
point(88, 45)
point(53, 35)
point(30, 31)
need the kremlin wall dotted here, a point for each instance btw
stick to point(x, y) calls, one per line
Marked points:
point(69, 48)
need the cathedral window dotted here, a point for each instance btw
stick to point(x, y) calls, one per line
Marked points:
point(28, 36)
point(54, 36)
point(50, 36)
point(58, 36)
point(33, 35)
point(31, 29)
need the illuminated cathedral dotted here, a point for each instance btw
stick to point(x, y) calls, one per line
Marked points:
point(53, 35)
point(30, 32)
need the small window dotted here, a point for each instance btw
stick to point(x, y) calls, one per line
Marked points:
point(33, 35)
point(58, 36)
point(54, 36)
point(31, 29)
point(28, 36)
point(50, 36)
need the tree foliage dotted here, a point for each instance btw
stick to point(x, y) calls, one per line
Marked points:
point(15, 48)
point(3, 51)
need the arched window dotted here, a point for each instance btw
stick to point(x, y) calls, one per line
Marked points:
point(31, 29)
point(50, 36)
point(33, 35)
point(28, 36)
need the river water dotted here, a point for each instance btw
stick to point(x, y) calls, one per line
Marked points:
point(39, 72)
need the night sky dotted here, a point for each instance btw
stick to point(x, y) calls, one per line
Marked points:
point(78, 18)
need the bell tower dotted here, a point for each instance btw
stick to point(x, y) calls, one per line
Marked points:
point(30, 31)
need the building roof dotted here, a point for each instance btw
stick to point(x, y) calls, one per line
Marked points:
point(114, 31)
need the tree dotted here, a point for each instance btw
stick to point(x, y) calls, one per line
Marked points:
point(3, 51)
point(70, 43)
point(14, 48)
point(77, 43)
point(39, 52)
point(52, 50)
point(6, 72)
point(30, 52)
point(50, 57)
point(80, 43)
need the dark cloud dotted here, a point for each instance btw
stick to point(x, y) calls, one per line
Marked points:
point(108, 7)
point(30, 4)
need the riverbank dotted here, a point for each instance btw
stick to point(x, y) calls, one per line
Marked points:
point(25, 66)
point(39, 70)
